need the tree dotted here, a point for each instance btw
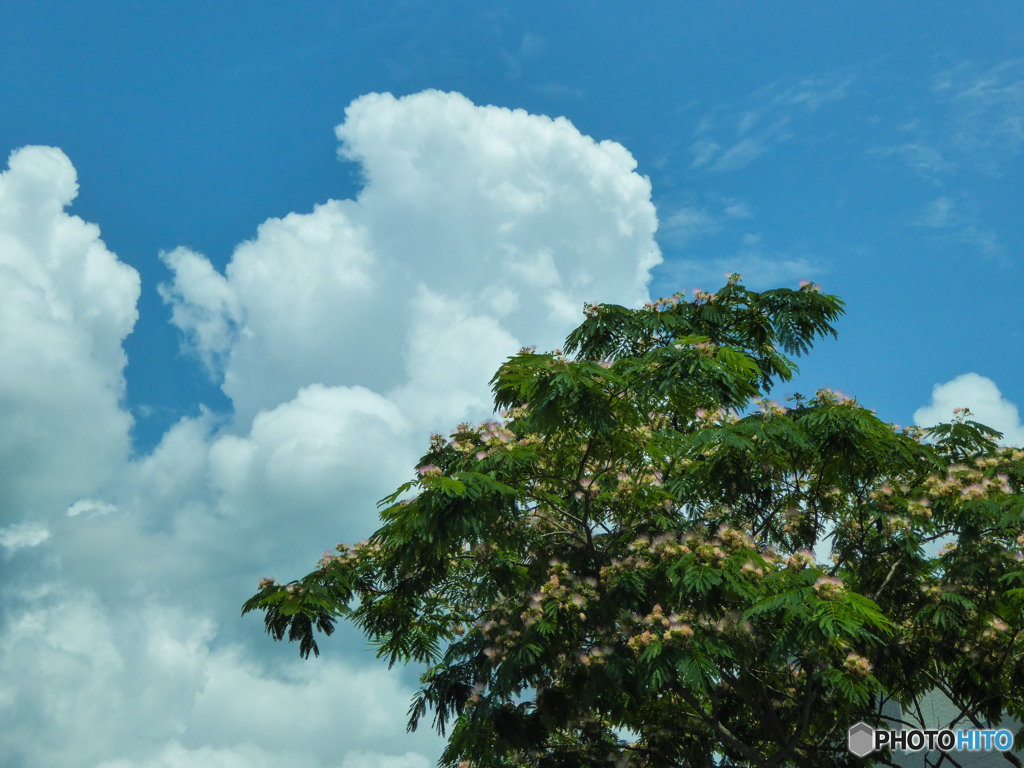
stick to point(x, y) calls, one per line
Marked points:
point(622, 570)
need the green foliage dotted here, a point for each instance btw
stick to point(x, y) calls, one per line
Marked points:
point(622, 571)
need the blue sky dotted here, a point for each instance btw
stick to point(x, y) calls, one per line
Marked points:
point(164, 447)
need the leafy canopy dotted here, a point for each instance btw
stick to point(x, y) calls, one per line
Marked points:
point(622, 570)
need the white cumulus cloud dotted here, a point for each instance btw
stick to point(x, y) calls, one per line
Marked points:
point(486, 208)
point(986, 402)
point(66, 304)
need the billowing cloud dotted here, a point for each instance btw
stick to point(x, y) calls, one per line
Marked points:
point(66, 304)
point(516, 218)
point(342, 335)
point(982, 397)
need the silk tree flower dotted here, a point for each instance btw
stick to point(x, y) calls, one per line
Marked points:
point(828, 587)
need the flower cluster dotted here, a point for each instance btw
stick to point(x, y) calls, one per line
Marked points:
point(661, 305)
point(967, 482)
point(715, 417)
point(795, 521)
point(771, 407)
point(705, 348)
point(654, 626)
point(800, 559)
point(348, 554)
point(828, 396)
point(489, 438)
point(857, 666)
point(751, 570)
point(829, 588)
point(642, 550)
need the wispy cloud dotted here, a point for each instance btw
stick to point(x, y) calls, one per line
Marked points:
point(730, 139)
point(810, 93)
point(559, 90)
point(926, 160)
point(974, 120)
point(986, 109)
point(761, 269)
point(957, 221)
point(688, 222)
point(530, 48)
point(740, 154)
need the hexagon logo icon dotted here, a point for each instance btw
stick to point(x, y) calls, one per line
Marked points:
point(860, 739)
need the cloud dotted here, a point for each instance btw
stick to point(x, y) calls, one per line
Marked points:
point(495, 205)
point(763, 124)
point(974, 121)
point(22, 536)
point(138, 686)
point(90, 507)
point(761, 270)
point(958, 222)
point(740, 154)
point(924, 159)
point(342, 336)
point(66, 304)
point(986, 107)
point(811, 93)
point(704, 152)
point(938, 214)
point(985, 401)
point(689, 222)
